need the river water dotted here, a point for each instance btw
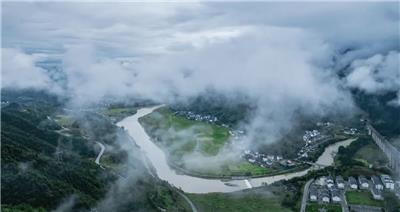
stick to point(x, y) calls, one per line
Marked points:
point(191, 184)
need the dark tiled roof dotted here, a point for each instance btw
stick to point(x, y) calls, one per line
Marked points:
point(376, 180)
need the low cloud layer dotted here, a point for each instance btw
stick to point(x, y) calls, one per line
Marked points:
point(284, 56)
point(19, 71)
point(377, 74)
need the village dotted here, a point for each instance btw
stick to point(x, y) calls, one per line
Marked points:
point(337, 190)
point(312, 138)
point(197, 117)
point(266, 161)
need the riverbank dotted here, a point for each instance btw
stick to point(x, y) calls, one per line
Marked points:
point(190, 145)
point(181, 170)
point(191, 184)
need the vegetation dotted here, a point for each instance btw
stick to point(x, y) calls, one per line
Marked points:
point(181, 137)
point(257, 200)
point(392, 203)
point(370, 154)
point(118, 112)
point(41, 168)
point(355, 158)
point(21, 208)
point(384, 116)
point(362, 198)
point(208, 137)
point(315, 207)
point(227, 110)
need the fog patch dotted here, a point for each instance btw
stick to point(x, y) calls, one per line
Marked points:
point(377, 74)
point(19, 71)
point(123, 192)
point(67, 204)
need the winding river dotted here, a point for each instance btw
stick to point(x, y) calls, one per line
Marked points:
point(191, 184)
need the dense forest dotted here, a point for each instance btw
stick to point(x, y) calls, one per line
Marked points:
point(44, 169)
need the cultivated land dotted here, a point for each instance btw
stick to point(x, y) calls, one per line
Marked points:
point(181, 137)
point(362, 198)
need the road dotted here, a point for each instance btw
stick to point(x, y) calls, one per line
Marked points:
point(194, 209)
point(343, 203)
point(305, 195)
point(97, 161)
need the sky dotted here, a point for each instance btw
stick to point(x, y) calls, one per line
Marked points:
point(283, 56)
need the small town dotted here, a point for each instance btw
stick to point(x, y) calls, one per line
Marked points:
point(337, 190)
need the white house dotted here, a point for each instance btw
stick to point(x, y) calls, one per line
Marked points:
point(313, 194)
point(387, 181)
point(325, 198)
point(377, 183)
point(353, 183)
point(329, 182)
point(364, 184)
point(335, 194)
point(340, 182)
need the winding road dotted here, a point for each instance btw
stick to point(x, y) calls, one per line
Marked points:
point(103, 148)
point(194, 209)
point(305, 195)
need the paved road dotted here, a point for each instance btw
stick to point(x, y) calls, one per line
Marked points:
point(305, 195)
point(97, 161)
point(194, 209)
point(343, 203)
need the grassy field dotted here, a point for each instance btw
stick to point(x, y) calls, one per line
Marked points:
point(236, 202)
point(315, 207)
point(180, 137)
point(118, 113)
point(362, 198)
point(371, 154)
point(64, 120)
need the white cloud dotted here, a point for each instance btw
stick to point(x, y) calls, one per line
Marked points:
point(376, 74)
point(19, 71)
point(281, 54)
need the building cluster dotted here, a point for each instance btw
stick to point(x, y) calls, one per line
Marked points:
point(351, 131)
point(311, 136)
point(327, 189)
point(236, 134)
point(264, 160)
point(198, 117)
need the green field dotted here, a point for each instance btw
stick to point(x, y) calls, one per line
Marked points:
point(64, 120)
point(315, 207)
point(371, 154)
point(118, 113)
point(362, 198)
point(181, 137)
point(237, 202)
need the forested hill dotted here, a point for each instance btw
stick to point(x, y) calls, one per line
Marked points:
point(384, 116)
point(42, 168)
